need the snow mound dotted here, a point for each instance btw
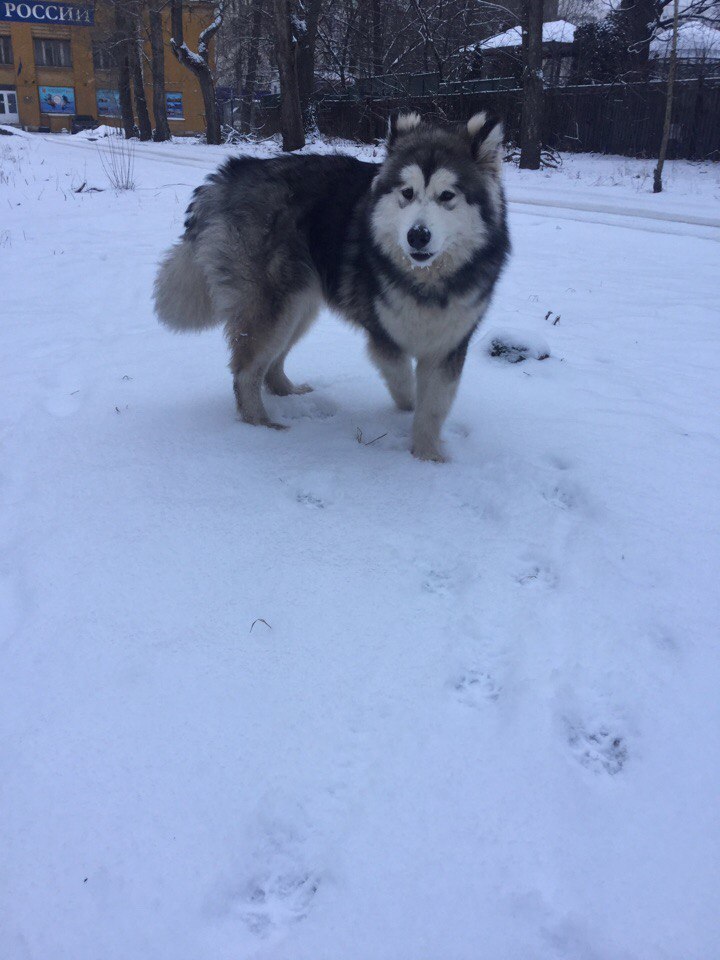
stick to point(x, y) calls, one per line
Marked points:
point(514, 346)
point(104, 130)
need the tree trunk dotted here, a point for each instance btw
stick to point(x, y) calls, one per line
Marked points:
point(657, 178)
point(212, 116)
point(120, 55)
point(247, 108)
point(377, 36)
point(306, 59)
point(157, 48)
point(291, 124)
point(141, 108)
point(532, 106)
point(199, 63)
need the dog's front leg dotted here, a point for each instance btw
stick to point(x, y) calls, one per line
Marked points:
point(396, 370)
point(436, 384)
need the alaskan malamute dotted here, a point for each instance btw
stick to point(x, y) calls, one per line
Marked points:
point(409, 249)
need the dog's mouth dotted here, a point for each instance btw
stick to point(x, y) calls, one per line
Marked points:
point(421, 257)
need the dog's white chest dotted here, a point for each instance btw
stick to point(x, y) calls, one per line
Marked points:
point(426, 330)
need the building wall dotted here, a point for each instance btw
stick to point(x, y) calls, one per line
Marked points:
point(26, 77)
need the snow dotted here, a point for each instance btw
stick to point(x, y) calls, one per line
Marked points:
point(695, 39)
point(99, 132)
point(554, 31)
point(300, 697)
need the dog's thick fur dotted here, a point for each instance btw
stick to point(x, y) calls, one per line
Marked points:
point(410, 250)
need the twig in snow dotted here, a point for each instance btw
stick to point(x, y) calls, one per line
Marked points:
point(259, 620)
point(359, 437)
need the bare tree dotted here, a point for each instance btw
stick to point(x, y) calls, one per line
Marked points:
point(135, 52)
point(291, 125)
point(157, 65)
point(247, 109)
point(640, 20)
point(532, 106)
point(657, 177)
point(306, 28)
point(122, 61)
point(198, 63)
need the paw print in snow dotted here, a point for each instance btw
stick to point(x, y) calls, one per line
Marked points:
point(599, 750)
point(476, 687)
point(276, 899)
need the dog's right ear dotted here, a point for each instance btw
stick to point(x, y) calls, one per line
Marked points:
point(485, 131)
point(400, 123)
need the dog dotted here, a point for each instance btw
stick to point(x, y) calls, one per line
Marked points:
point(409, 250)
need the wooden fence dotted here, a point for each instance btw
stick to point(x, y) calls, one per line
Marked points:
point(623, 119)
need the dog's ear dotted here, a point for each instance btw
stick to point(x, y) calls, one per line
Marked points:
point(486, 138)
point(400, 123)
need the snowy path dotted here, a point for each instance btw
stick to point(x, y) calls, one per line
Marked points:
point(614, 208)
point(480, 719)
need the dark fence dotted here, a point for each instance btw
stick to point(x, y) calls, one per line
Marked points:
point(623, 119)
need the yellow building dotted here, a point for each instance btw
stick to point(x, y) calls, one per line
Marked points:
point(55, 64)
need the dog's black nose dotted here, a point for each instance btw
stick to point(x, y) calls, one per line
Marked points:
point(418, 236)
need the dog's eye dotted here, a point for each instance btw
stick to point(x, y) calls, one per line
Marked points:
point(446, 196)
point(408, 193)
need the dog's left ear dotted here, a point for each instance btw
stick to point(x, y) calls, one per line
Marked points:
point(486, 138)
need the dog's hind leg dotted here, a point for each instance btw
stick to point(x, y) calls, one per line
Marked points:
point(249, 363)
point(396, 370)
point(302, 311)
point(259, 342)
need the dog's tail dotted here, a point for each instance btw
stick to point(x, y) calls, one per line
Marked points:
point(182, 294)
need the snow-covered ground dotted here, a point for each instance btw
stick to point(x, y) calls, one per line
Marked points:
point(299, 697)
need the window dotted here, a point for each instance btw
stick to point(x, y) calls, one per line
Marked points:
point(6, 50)
point(102, 59)
point(52, 53)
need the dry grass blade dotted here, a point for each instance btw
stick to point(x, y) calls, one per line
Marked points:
point(117, 156)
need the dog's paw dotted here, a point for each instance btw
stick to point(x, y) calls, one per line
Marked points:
point(252, 422)
point(430, 454)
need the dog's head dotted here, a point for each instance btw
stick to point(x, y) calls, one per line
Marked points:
point(438, 194)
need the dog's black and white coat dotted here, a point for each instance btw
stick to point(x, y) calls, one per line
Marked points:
point(409, 249)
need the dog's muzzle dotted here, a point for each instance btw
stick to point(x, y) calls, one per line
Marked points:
point(418, 237)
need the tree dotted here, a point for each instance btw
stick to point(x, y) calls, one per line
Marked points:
point(306, 28)
point(157, 66)
point(532, 105)
point(135, 52)
point(199, 63)
point(642, 19)
point(657, 178)
point(291, 125)
point(121, 58)
point(247, 108)
point(600, 51)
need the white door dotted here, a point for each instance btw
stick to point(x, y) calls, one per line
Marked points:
point(8, 107)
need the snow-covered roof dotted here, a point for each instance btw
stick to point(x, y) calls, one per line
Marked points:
point(695, 39)
point(556, 31)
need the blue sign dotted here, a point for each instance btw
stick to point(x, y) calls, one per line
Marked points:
point(72, 14)
point(108, 103)
point(174, 106)
point(57, 100)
